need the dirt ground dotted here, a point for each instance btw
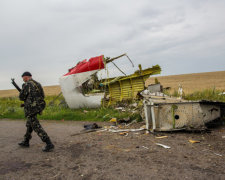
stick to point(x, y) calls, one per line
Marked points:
point(107, 155)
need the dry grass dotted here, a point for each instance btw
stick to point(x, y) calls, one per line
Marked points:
point(192, 82)
point(52, 90)
point(49, 91)
point(8, 93)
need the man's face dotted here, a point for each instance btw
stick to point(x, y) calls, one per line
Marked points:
point(26, 78)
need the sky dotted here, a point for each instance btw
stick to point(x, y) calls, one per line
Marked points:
point(47, 37)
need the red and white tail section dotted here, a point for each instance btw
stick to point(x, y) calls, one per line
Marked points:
point(71, 81)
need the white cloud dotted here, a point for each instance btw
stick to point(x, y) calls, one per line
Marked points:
point(48, 37)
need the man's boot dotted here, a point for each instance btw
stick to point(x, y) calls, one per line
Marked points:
point(49, 146)
point(24, 143)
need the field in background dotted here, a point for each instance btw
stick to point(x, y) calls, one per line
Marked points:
point(49, 91)
point(207, 86)
point(190, 83)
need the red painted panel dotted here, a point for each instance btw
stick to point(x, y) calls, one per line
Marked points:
point(94, 63)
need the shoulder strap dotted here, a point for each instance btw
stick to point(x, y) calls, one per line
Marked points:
point(35, 86)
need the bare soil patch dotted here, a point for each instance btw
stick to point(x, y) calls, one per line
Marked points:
point(105, 155)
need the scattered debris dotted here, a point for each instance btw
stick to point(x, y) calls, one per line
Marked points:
point(124, 120)
point(115, 129)
point(213, 152)
point(145, 147)
point(82, 87)
point(153, 88)
point(193, 141)
point(142, 147)
point(113, 120)
point(134, 121)
point(119, 108)
point(161, 137)
point(125, 130)
point(162, 145)
point(218, 154)
point(91, 126)
point(124, 133)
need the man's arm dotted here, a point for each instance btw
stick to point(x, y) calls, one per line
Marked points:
point(24, 92)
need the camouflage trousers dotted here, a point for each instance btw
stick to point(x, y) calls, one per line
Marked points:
point(34, 125)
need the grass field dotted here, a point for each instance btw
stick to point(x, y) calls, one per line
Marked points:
point(10, 108)
point(49, 91)
point(207, 86)
point(192, 82)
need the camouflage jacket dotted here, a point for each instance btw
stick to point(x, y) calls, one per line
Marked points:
point(33, 96)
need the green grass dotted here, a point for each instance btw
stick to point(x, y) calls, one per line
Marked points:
point(207, 94)
point(57, 110)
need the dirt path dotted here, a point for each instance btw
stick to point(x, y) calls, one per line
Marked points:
point(109, 155)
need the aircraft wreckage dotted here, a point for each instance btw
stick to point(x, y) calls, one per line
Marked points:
point(81, 80)
point(163, 113)
point(82, 88)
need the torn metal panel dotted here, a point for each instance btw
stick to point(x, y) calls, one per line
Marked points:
point(71, 83)
point(153, 88)
point(162, 115)
point(127, 87)
point(70, 86)
point(82, 80)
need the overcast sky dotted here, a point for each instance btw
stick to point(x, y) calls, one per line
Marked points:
point(47, 37)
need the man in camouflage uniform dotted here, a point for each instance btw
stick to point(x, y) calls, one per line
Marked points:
point(33, 96)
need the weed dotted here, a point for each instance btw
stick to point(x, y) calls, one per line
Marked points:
point(57, 110)
point(207, 94)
